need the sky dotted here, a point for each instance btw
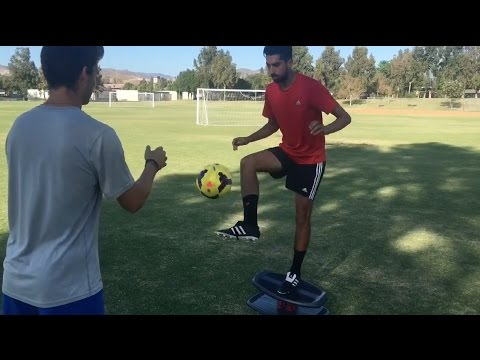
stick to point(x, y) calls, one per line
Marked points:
point(171, 60)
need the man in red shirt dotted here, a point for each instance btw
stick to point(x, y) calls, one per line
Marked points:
point(294, 104)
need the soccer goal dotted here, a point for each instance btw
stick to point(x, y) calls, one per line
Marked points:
point(230, 107)
point(131, 97)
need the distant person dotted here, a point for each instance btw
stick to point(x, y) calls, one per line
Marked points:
point(61, 163)
point(294, 104)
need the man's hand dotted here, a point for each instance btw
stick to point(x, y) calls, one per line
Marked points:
point(158, 155)
point(316, 127)
point(239, 141)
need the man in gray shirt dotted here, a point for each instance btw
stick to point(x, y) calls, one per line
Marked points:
point(61, 163)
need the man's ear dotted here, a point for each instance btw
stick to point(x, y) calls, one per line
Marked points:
point(84, 74)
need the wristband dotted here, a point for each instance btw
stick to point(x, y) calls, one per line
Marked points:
point(154, 163)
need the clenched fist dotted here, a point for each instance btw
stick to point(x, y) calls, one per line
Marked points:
point(158, 155)
point(239, 141)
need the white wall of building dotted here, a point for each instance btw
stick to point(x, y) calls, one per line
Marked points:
point(127, 95)
point(37, 94)
point(187, 95)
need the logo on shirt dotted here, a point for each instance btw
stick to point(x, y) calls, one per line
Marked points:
point(305, 190)
point(298, 103)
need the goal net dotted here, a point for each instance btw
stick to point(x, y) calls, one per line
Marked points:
point(230, 107)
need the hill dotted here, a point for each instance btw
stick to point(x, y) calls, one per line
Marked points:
point(245, 72)
point(123, 76)
point(3, 70)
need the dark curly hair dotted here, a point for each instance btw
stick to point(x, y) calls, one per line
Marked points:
point(285, 52)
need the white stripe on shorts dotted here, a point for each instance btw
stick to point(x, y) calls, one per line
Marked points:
point(316, 182)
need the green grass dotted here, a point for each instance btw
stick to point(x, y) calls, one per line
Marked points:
point(394, 230)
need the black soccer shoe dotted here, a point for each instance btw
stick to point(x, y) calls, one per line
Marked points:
point(240, 231)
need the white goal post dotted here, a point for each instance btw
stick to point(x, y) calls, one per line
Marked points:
point(230, 107)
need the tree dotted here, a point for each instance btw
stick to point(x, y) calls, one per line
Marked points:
point(224, 72)
point(242, 84)
point(453, 89)
point(186, 81)
point(351, 87)
point(4, 82)
point(471, 65)
point(128, 86)
point(383, 85)
point(429, 59)
point(328, 68)
point(23, 72)
point(99, 80)
point(161, 84)
point(42, 82)
point(302, 60)
point(203, 66)
point(143, 86)
point(405, 70)
point(384, 68)
point(259, 81)
point(462, 66)
point(359, 65)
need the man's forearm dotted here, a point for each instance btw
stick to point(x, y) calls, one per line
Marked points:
point(145, 182)
point(135, 197)
point(337, 125)
point(265, 131)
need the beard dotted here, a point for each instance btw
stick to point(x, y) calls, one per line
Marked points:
point(88, 92)
point(280, 78)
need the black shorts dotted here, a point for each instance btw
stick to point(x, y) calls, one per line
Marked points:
point(303, 179)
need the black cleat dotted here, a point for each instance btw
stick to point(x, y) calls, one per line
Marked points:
point(240, 231)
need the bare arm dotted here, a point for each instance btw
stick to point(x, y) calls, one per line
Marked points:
point(265, 131)
point(342, 120)
point(134, 198)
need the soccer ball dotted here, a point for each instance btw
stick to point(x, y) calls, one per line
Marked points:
point(214, 180)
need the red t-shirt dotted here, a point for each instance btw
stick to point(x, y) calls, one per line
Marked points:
point(294, 109)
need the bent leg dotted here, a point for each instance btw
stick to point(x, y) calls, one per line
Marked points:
point(262, 161)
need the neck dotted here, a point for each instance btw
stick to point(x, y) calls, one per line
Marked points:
point(63, 97)
point(288, 81)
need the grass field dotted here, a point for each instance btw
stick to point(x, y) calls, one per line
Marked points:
point(394, 230)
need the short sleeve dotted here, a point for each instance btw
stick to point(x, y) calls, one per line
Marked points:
point(108, 158)
point(267, 111)
point(322, 99)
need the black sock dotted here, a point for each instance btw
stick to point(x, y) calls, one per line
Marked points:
point(297, 262)
point(250, 203)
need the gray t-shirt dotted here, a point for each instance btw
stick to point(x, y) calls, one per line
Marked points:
point(61, 163)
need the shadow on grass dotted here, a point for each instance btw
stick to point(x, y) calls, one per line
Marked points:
point(452, 105)
point(392, 233)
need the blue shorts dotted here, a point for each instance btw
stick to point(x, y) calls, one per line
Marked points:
point(93, 305)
